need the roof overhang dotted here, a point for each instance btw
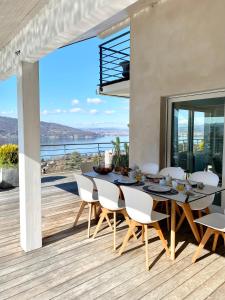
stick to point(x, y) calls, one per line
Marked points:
point(51, 24)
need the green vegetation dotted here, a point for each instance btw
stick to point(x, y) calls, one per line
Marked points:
point(120, 158)
point(75, 160)
point(9, 156)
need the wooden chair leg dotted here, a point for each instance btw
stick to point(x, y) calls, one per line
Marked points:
point(155, 203)
point(204, 240)
point(89, 217)
point(128, 221)
point(223, 234)
point(126, 239)
point(173, 230)
point(82, 206)
point(99, 211)
point(161, 236)
point(102, 217)
point(216, 235)
point(189, 216)
point(108, 221)
point(168, 213)
point(182, 218)
point(178, 210)
point(94, 211)
point(146, 247)
point(201, 227)
point(114, 231)
point(207, 210)
point(143, 234)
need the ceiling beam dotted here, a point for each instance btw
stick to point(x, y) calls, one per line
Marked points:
point(58, 23)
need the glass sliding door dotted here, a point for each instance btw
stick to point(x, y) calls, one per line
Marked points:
point(197, 131)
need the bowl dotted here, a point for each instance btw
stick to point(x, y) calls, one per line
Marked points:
point(103, 170)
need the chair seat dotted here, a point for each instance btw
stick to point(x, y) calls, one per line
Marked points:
point(215, 221)
point(147, 219)
point(157, 216)
point(161, 199)
point(198, 204)
point(121, 205)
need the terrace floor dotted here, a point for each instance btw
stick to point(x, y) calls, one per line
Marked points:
point(70, 266)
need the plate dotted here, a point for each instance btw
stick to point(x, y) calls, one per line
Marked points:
point(159, 189)
point(127, 181)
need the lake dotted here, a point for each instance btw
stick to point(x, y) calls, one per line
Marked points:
point(55, 148)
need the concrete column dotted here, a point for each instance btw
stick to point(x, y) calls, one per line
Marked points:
point(29, 156)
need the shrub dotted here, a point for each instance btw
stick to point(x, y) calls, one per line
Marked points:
point(75, 160)
point(9, 155)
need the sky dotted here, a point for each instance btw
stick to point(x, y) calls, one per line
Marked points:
point(68, 82)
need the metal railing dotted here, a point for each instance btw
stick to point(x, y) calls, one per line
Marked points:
point(115, 60)
point(49, 151)
point(57, 158)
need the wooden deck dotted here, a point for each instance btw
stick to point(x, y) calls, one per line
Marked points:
point(70, 266)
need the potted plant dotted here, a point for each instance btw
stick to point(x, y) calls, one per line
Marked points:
point(120, 158)
point(9, 174)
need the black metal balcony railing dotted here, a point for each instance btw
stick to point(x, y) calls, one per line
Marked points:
point(115, 60)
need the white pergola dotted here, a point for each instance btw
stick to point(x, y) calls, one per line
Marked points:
point(29, 30)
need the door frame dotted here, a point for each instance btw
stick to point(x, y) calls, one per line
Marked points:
point(188, 97)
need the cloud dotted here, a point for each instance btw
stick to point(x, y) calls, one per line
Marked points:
point(53, 112)
point(93, 111)
point(75, 101)
point(75, 109)
point(94, 100)
point(109, 112)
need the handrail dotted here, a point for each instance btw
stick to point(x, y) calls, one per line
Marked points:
point(115, 38)
point(114, 55)
point(63, 149)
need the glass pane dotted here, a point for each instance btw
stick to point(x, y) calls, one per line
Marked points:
point(180, 137)
point(197, 135)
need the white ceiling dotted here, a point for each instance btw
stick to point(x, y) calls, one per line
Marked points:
point(14, 15)
point(34, 28)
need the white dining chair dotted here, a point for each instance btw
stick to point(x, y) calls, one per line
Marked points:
point(139, 208)
point(150, 168)
point(88, 197)
point(111, 203)
point(215, 224)
point(174, 172)
point(207, 178)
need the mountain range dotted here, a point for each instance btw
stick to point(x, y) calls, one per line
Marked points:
point(49, 131)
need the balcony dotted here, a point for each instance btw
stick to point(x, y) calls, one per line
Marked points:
point(115, 66)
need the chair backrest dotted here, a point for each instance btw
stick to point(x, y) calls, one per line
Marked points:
point(208, 178)
point(86, 167)
point(151, 168)
point(108, 194)
point(138, 204)
point(85, 187)
point(174, 172)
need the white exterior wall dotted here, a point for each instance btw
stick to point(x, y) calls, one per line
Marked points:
point(177, 47)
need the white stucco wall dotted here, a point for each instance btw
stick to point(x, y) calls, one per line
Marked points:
point(176, 47)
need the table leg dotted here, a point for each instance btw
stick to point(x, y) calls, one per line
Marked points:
point(189, 216)
point(173, 230)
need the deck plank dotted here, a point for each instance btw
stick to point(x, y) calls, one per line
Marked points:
point(70, 266)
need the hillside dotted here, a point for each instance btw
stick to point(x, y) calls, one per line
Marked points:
point(49, 131)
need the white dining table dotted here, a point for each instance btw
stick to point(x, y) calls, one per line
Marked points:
point(180, 197)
